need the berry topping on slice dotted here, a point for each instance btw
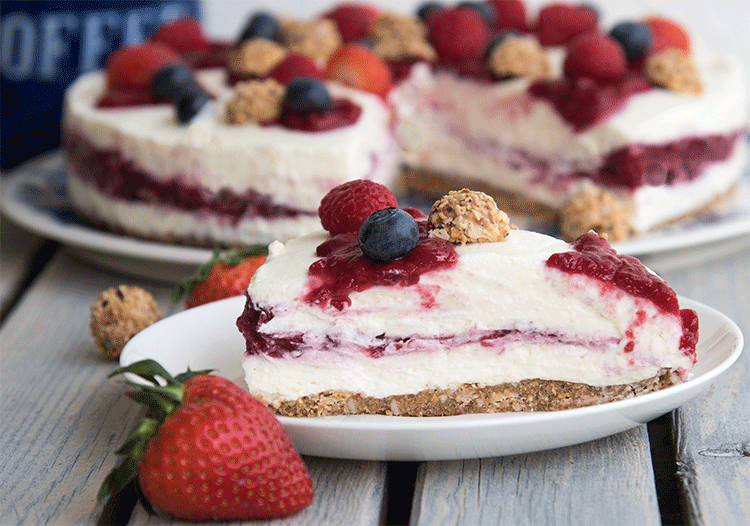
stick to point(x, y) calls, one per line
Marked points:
point(223, 276)
point(190, 103)
point(131, 67)
point(355, 66)
point(296, 65)
point(425, 10)
point(559, 23)
point(261, 25)
point(207, 450)
point(184, 35)
point(595, 56)
point(353, 20)
point(344, 208)
point(388, 234)
point(458, 33)
point(171, 81)
point(483, 8)
point(634, 37)
point(307, 94)
point(665, 34)
point(509, 14)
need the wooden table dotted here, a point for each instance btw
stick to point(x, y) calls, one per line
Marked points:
point(62, 420)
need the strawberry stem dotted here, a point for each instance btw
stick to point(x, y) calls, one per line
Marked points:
point(230, 257)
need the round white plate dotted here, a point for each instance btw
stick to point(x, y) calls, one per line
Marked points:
point(35, 198)
point(206, 338)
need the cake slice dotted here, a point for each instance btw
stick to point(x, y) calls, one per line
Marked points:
point(477, 317)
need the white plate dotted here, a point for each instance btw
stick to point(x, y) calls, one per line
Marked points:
point(206, 337)
point(35, 198)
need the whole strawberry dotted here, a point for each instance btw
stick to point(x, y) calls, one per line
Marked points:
point(225, 275)
point(207, 450)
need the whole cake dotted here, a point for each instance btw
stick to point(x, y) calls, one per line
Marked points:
point(452, 314)
point(619, 130)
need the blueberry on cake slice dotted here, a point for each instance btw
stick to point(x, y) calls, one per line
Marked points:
point(397, 313)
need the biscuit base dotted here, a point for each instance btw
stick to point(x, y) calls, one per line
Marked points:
point(523, 396)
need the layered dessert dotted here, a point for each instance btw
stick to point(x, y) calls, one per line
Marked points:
point(622, 132)
point(453, 314)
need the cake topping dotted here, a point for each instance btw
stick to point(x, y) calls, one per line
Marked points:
point(426, 9)
point(315, 38)
point(296, 65)
point(256, 57)
point(255, 101)
point(466, 216)
point(119, 314)
point(675, 70)
point(594, 208)
point(261, 25)
point(345, 207)
point(559, 23)
point(183, 34)
point(458, 33)
point(306, 94)
point(517, 56)
point(634, 37)
point(358, 67)
point(667, 34)
point(191, 103)
point(510, 15)
point(353, 20)
point(595, 56)
point(388, 234)
point(399, 37)
point(170, 81)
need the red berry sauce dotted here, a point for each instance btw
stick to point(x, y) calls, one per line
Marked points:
point(120, 179)
point(342, 112)
point(593, 256)
point(343, 268)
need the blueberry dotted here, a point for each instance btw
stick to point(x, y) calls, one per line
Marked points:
point(190, 103)
point(307, 94)
point(170, 81)
point(634, 37)
point(496, 41)
point(388, 234)
point(425, 9)
point(366, 43)
point(261, 25)
point(485, 10)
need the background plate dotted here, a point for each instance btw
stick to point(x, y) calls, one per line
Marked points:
point(206, 337)
point(35, 197)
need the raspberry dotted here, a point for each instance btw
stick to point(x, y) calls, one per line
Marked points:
point(458, 33)
point(353, 20)
point(509, 15)
point(184, 35)
point(346, 206)
point(559, 23)
point(666, 34)
point(296, 65)
point(596, 56)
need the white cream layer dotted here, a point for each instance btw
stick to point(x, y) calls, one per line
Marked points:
point(296, 168)
point(495, 133)
point(495, 286)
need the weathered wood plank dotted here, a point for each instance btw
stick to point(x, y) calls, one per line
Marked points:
point(347, 493)
point(607, 481)
point(18, 250)
point(712, 432)
point(62, 419)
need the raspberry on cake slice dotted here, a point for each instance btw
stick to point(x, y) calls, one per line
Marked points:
point(387, 315)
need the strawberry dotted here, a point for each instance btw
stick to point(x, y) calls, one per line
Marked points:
point(296, 65)
point(353, 20)
point(458, 33)
point(184, 35)
point(559, 23)
point(665, 34)
point(345, 207)
point(224, 276)
point(131, 67)
point(595, 56)
point(207, 450)
point(358, 67)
